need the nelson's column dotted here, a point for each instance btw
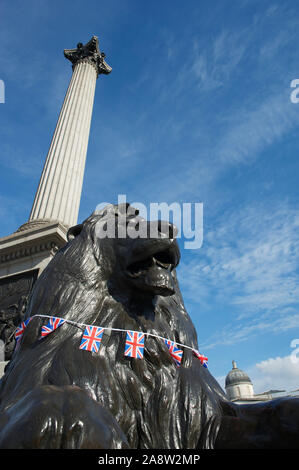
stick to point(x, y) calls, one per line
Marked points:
point(25, 253)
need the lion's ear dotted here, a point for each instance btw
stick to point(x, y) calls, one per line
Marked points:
point(74, 231)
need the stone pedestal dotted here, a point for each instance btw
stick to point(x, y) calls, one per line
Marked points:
point(32, 248)
point(23, 257)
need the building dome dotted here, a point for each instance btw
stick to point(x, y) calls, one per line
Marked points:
point(236, 376)
point(238, 384)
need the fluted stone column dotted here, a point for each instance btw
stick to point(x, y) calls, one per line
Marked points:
point(59, 191)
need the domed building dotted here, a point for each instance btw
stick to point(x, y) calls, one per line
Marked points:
point(238, 384)
point(239, 387)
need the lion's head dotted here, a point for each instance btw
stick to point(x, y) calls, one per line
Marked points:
point(141, 254)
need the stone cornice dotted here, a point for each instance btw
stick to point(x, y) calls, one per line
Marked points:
point(22, 252)
point(46, 239)
point(41, 223)
point(90, 53)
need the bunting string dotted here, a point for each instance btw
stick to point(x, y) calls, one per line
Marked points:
point(92, 337)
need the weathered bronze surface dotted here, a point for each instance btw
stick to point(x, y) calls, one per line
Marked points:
point(54, 395)
point(14, 292)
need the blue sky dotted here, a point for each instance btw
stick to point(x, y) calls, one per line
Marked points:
point(197, 109)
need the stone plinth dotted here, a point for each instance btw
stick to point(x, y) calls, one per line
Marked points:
point(32, 248)
point(23, 257)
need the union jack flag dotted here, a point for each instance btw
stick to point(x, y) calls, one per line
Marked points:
point(203, 359)
point(53, 324)
point(20, 330)
point(175, 352)
point(91, 339)
point(134, 344)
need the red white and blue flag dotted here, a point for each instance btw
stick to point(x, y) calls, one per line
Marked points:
point(53, 324)
point(175, 352)
point(20, 329)
point(91, 339)
point(134, 344)
point(203, 359)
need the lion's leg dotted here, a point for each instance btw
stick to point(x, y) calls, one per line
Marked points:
point(51, 417)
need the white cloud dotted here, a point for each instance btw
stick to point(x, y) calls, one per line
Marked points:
point(252, 130)
point(214, 63)
point(256, 248)
point(280, 373)
point(249, 264)
point(220, 133)
point(236, 332)
point(238, 136)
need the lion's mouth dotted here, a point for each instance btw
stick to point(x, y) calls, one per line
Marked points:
point(165, 259)
point(151, 271)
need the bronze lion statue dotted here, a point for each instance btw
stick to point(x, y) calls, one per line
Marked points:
point(56, 396)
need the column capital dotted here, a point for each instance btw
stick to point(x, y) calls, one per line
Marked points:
point(89, 52)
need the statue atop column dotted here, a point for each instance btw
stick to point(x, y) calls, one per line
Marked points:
point(89, 52)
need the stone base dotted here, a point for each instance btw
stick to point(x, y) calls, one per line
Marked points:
point(23, 257)
point(31, 247)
